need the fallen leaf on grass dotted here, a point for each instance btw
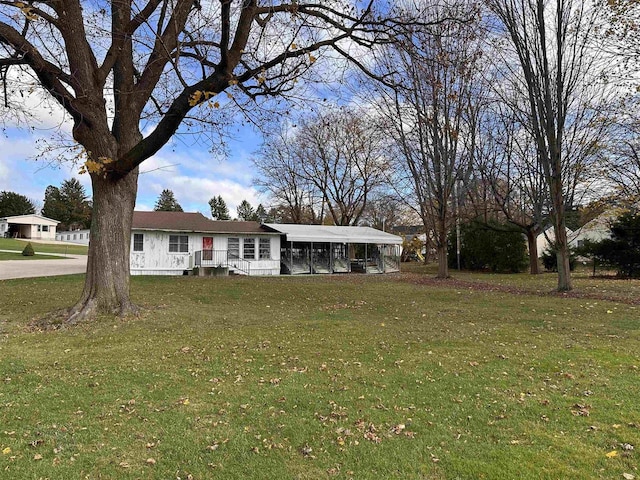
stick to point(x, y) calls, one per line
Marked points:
point(628, 476)
point(612, 454)
point(6, 451)
point(151, 461)
point(37, 456)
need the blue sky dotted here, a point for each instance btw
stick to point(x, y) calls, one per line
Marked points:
point(191, 171)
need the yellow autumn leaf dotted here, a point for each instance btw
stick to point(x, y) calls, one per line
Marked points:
point(6, 451)
point(194, 98)
point(612, 454)
point(312, 59)
point(293, 46)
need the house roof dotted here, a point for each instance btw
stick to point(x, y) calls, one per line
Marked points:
point(191, 222)
point(28, 219)
point(334, 234)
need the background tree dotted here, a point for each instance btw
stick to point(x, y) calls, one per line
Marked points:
point(246, 212)
point(622, 250)
point(431, 115)
point(12, 204)
point(167, 202)
point(219, 210)
point(117, 69)
point(556, 72)
point(277, 167)
point(508, 165)
point(69, 204)
point(335, 157)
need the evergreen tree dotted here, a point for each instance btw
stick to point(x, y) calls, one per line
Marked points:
point(69, 204)
point(219, 210)
point(622, 250)
point(12, 204)
point(261, 214)
point(246, 212)
point(167, 202)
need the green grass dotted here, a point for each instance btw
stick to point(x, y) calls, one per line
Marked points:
point(18, 245)
point(366, 377)
point(19, 256)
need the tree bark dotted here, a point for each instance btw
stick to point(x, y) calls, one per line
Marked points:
point(443, 266)
point(562, 254)
point(534, 267)
point(107, 280)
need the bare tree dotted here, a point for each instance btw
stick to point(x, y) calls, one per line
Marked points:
point(431, 115)
point(622, 167)
point(334, 157)
point(277, 175)
point(341, 155)
point(161, 63)
point(555, 67)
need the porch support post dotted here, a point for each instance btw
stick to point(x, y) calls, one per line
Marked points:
point(366, 255)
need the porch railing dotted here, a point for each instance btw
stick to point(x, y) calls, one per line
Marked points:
point(221, 259)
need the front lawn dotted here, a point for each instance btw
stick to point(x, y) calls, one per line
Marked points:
point(18, 245)
point(366, 377)
point(19, 256)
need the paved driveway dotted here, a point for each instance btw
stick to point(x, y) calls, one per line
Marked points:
point(42, 268)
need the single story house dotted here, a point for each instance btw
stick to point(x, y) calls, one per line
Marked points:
point(174, 243)
point(28, 226)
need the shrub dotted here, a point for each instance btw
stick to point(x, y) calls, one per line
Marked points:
point(28, 251)
point(622, 250)
point(550, 259)
point(495, 246)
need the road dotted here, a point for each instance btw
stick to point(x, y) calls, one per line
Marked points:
point(42, 268)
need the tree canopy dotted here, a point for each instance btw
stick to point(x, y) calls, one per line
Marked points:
point(167, 202)
point(69, 204)
point(13, 204)
point(219, 209)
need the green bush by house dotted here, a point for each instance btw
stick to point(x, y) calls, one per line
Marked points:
point(28, 251)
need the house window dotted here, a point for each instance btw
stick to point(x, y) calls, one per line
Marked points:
point(81, 236)
point(45, 228)
point(233, 247)
point(138, 242)
point(248, 248)
point(265, 248)
point(68, 237)
point(179, 243)
point(75, 235)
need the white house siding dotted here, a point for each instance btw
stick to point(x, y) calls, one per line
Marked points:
point(30, 227)
point(76, 236)
point(155, 259)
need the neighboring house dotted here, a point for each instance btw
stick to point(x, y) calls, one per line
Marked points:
point(546, 238)
point(173, 243)
point(28, 226)
point(74, 236)
point(597, 229)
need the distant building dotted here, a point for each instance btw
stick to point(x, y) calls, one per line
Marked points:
point(28, 226)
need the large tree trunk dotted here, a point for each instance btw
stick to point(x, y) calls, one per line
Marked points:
point(534, 267)
point(106, 286)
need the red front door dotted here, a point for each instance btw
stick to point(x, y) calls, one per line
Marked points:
point(207, 248)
